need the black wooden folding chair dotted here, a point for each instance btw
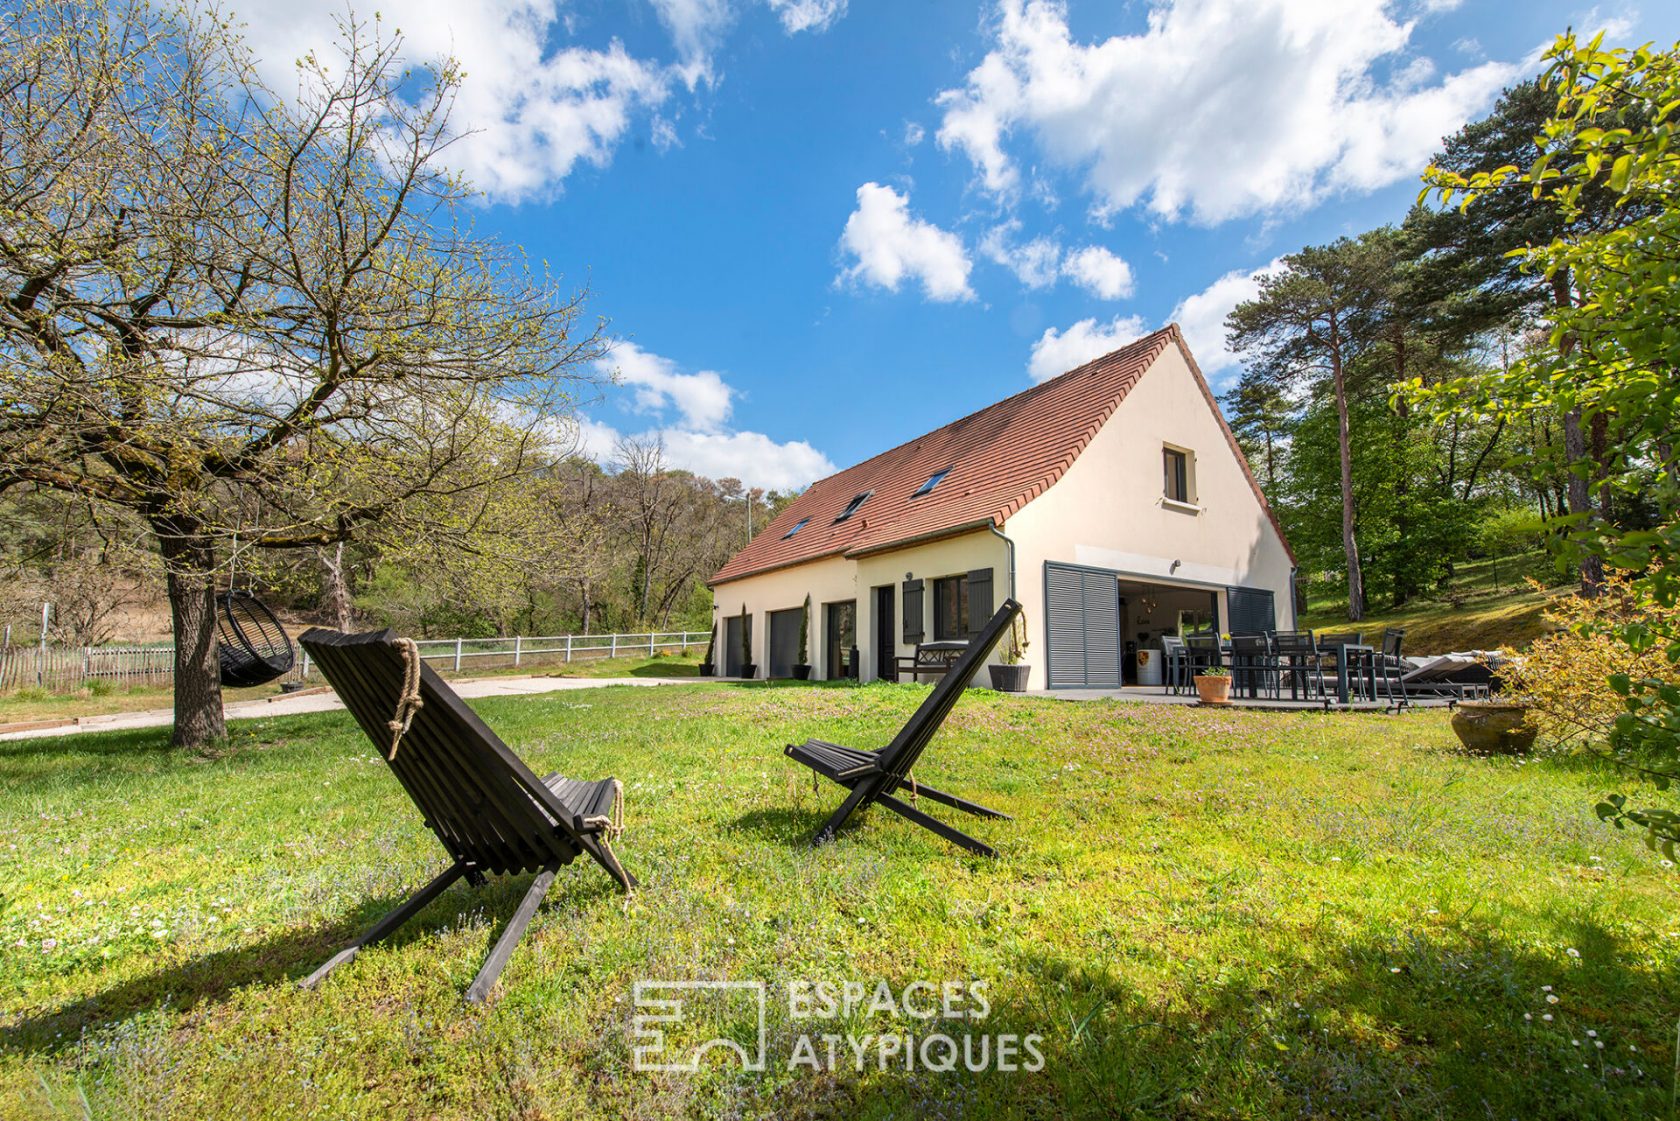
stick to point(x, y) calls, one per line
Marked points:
point(874, 776)
point(492, 814)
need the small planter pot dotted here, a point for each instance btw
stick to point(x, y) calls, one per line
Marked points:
point(1010, 679)
point(706, 669)
point(1494, 727)
point(802, 672)
point(1213, 690)
point(750, 670)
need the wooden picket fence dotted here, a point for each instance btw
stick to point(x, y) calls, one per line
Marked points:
point(63, 669)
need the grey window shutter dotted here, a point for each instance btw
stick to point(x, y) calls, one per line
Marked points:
point(912, 611)
point(979, 600)
point(1250, 610)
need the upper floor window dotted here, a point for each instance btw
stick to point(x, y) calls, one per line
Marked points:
point(1176, 467)
point(852, 506)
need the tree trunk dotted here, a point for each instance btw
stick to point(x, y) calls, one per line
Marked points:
point(337, 587)
point(1580, 499)
point(1355, 577)
point(192, 608)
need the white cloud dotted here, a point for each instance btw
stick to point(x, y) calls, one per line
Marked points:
point(752, 457)
point(704, 399)
point(696, 27)
point(1099, 272)
point(889, 246)
point(526, 114)
point(1219, 109)
point(1202, 317)
point(914, 134)
point(1057, 352)
point(1041, 262)
point(807, 15)
point(697, 438)
point(1036, 263)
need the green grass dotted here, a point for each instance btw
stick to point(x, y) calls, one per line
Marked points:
point(1204, 914)
point(1487, 605)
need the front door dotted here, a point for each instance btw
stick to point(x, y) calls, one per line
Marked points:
point(841, 637)
point(886, 635)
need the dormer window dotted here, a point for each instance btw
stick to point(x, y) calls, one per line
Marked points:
point(797, 527)
point(852, 506)
point(933, 480)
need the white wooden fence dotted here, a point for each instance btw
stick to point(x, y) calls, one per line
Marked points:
point(67, 668)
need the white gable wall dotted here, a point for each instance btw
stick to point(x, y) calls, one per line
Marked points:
point(1108, 511)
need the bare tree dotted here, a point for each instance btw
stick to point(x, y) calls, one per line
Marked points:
point(241, 314)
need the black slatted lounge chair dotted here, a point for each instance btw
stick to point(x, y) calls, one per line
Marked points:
point(490, 811)
point(874, 776)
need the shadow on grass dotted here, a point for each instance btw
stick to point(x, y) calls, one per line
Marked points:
point(790, 827)
point(1418, 1023)
point(288, 957)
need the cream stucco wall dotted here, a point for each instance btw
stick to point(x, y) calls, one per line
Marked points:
point(1108, 511)
point(835, 578)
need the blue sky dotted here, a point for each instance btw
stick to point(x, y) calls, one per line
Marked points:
point(819, 228)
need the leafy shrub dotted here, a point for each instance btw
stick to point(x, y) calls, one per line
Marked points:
point(1570, 677)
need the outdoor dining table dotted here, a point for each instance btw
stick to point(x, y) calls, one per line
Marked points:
point(1360, 654)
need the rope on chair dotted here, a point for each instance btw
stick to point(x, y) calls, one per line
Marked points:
point(612, 824)
point(408, 701)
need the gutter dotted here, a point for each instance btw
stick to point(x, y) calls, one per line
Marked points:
point(1001, 536)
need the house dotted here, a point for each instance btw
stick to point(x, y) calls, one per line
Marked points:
point(1111, 501)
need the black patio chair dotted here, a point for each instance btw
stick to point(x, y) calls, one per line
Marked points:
point(492, 814)
point(1300, 662)
point(1203, 651)
point(1254, 668)
point(875, 776)
point(1388, 669)
point(1329, 649)
point(1175, 664)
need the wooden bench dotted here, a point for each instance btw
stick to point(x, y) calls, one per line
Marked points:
point(932, 658)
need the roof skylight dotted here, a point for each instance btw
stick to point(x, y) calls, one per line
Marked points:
point(933, 480)
point(797, 527)
point(852, 506)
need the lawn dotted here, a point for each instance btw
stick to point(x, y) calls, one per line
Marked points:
point(1202, 914)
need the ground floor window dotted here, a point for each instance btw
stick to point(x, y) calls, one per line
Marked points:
point(950, 608)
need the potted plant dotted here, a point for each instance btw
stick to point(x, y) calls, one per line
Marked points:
point(748, 670)
point(802, 668)
point(706, 663)
point(1011, 676)
point(1213, 686)
point(1494, 727)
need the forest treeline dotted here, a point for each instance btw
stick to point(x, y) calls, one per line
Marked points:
point(1382, 500)
point(570, 546)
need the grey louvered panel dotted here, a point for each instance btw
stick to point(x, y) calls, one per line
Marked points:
point(1102, 630)
point(1065, 614)
point(1250, 610)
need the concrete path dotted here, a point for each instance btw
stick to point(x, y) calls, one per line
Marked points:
point(325, 700)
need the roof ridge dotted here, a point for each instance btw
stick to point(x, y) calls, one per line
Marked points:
point(1164, 332)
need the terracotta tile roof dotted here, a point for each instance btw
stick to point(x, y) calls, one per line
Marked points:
point(999, 459)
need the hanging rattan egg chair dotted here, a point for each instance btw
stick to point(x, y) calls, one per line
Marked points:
point(254, 647)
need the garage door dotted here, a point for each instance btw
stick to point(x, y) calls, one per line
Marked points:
point(1084, 627)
